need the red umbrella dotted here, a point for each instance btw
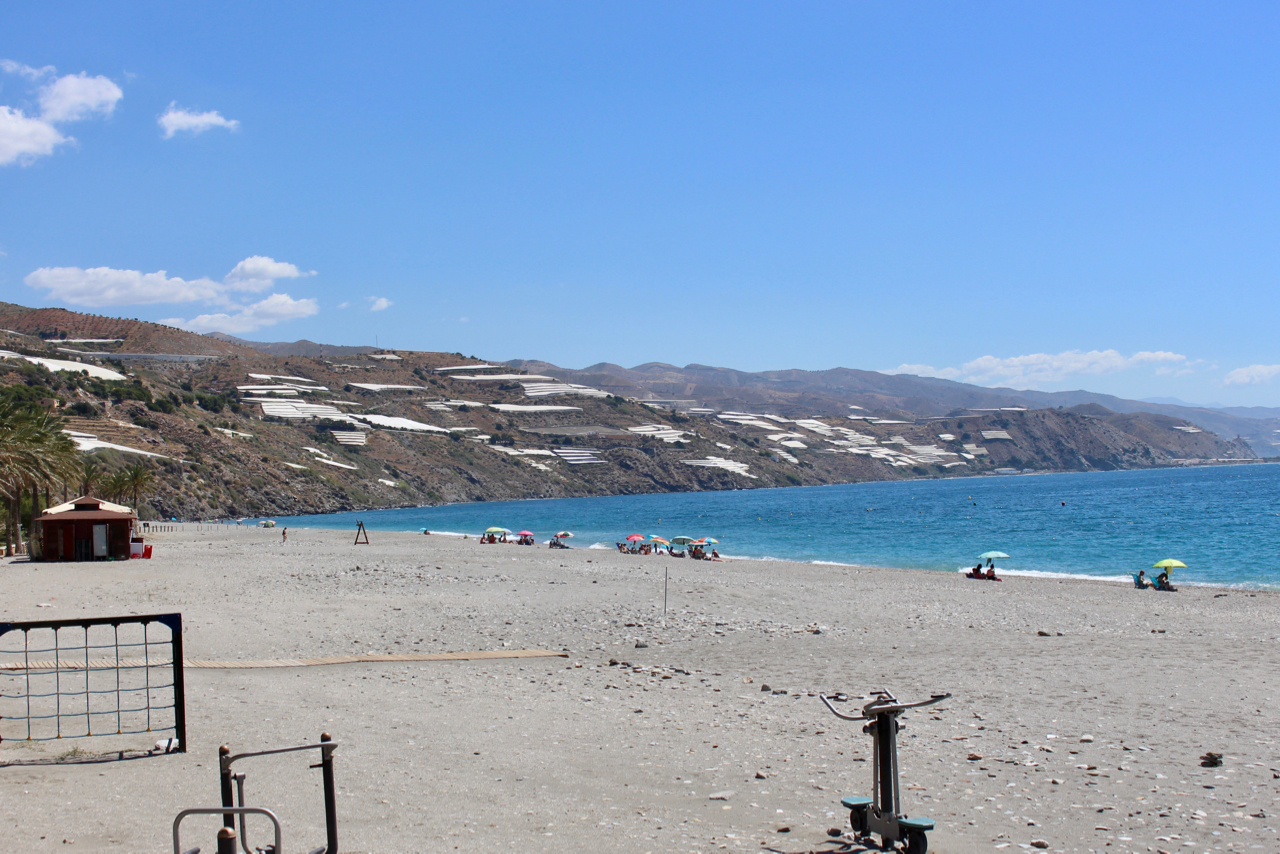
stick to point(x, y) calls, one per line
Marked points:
point(525, 534)
point(635, 537)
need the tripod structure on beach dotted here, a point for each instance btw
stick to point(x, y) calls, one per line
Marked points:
point(882, 814)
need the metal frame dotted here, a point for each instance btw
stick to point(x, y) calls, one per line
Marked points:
point(172, 621)
point(226, 759)
point(883, 815)
point(242, 811)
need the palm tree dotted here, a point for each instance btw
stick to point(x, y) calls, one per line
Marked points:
point(140, 480)
point(34, 453)
point(91, 476)
point(116, 485)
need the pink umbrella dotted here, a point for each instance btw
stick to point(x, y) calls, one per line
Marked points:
point(525, 534)
point(635, 538)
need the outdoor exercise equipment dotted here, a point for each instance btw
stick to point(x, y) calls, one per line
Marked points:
point(233, 784)
point(881, 814)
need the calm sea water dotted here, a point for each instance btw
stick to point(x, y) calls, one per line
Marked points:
point(1223, 522)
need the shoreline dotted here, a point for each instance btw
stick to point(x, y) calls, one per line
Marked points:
point(1121, 580)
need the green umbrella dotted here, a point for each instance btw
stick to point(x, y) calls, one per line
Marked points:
point(1168, 564)
point(497, 530)
point(681, 541)
point(992, 556)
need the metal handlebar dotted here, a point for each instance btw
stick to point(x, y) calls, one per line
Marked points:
point(326, 746)
point(884, 703)
point(177, 844)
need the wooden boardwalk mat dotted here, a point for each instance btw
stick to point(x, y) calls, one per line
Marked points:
point(199, 664)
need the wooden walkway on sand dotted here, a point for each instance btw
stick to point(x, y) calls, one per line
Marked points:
point(199, 664)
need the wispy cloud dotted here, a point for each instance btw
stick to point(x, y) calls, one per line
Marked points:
point(379, 303)
point(105, 286)
point(268, 312)
point(8, 66)
point(1252, 375)
point(1036, 370)
point(178, 120)
point(926, 371)
point(70, 98)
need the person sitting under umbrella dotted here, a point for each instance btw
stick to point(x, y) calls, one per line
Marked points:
point(976, 572)
point(1162, 582)
point(991, 574)
point(1140, 580)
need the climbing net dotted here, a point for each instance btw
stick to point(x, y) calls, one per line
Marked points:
point(114, 676)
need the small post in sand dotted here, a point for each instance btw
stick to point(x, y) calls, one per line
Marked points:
point(361, 532)
point(666, 575)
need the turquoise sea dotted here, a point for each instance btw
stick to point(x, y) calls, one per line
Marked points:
point(1223, 522)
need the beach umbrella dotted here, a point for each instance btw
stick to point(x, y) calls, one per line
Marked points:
point(992, 556)
point(634, 538)
point(1168, 564)
point(656, 539)
point(681, 541)
point(563, 534)
point(496, 530)
point(525, 534)
point(709, 541)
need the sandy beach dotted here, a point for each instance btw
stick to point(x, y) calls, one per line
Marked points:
point(1087, 704)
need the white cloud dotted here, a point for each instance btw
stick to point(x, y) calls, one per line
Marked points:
point(78, 96)
point(8, 66)
point(176, 119)
point(379, 303)
point(23, 139)
point(1252, 375)
point(99, 286)
point(258, 272)
point(1036, 370)
point(268, 312)
point(104, 286)
point(926, 371)
point(72, 97)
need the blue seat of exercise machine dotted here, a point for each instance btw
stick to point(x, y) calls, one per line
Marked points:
point(916, 823)
point(853, 803)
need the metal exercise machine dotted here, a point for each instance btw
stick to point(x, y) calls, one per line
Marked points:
point(881, 814)
point(233, 785)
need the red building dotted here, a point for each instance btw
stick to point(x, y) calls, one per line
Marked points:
point(86, 531)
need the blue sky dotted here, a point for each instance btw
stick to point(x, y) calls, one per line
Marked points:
point(1038, 195)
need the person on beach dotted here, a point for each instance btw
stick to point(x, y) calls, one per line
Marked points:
point(991, 574)
point(1162, 583)
point(976, 572)
point(284, 532)
point(1140, 580)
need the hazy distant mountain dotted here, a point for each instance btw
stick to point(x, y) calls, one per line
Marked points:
point(1173, 401)
point(797, 393)
point(304, 347)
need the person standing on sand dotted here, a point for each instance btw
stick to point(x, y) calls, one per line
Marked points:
point(284, 532)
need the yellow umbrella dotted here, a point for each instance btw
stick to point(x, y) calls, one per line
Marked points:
point(1168, 564)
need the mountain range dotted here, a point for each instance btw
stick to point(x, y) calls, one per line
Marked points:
point(799, 393)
